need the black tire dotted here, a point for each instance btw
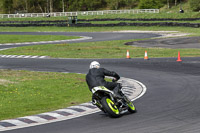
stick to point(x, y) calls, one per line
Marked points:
point(107, 104)
point(131, 108)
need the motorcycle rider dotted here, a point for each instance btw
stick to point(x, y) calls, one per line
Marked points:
point(96, 75)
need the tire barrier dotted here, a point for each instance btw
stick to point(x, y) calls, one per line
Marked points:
point(90, 20)
point(33, 22)
point(142, 19)
point(65, 24)
point(194, 25)
point(34, 25)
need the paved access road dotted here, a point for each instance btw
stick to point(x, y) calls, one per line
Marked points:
point(171, 103)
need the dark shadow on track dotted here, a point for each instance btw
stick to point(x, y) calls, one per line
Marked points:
point(181, 42)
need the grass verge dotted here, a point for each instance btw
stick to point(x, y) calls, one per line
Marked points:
point(193, 31)
point(107, 49)
point(163, 14)
point(25, 93)
point(32, 38)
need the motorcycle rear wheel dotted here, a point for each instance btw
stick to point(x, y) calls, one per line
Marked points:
point(109, 107)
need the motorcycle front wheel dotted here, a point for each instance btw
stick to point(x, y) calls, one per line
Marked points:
point(131, 108)
point(110, 107)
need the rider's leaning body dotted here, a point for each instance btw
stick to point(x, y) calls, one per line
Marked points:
point(96, 75)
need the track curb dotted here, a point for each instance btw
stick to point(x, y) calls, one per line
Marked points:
point(132, 88)
point(45, 42)
point(23, 56)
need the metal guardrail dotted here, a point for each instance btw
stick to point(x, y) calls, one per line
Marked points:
point(58, 14)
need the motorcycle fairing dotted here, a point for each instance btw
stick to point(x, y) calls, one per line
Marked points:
point(101, 88)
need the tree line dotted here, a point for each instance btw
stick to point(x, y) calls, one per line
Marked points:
point(46, 6)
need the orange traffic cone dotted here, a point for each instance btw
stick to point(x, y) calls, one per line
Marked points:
point(179, 57)
point(127, 55)
point(146, 56)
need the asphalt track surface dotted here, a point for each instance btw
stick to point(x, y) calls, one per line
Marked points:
point(96, 36)
point(181, 42)
point(171, 103)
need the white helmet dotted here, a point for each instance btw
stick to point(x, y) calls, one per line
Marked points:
point(94, 64)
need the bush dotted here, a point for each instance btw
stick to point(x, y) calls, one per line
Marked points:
point(150, 4)
point(195, 5)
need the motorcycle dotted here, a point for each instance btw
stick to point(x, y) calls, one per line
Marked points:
point(107, 101)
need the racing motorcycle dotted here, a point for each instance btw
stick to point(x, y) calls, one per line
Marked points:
point(106, 101)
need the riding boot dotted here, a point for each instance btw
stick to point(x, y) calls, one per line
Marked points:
point(117, 91)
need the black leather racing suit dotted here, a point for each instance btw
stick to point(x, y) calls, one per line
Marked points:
point(95, 77)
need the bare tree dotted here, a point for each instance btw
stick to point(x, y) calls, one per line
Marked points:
point(26, 3)
point(51, 5)
point(63, 5)
point(175, 2)
point(168, 4)
point(47, 6)
point(40, 8)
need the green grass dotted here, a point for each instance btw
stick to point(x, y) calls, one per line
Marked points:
point(166, 14)
point(107, 49)
point(194, 31)
point(172, 12)
point(175, 9)
point(174, 15)
point(32, 38)
point(25, 93)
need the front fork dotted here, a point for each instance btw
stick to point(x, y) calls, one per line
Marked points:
point(124, 103)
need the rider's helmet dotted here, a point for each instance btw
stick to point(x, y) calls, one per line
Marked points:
point(94, 64)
